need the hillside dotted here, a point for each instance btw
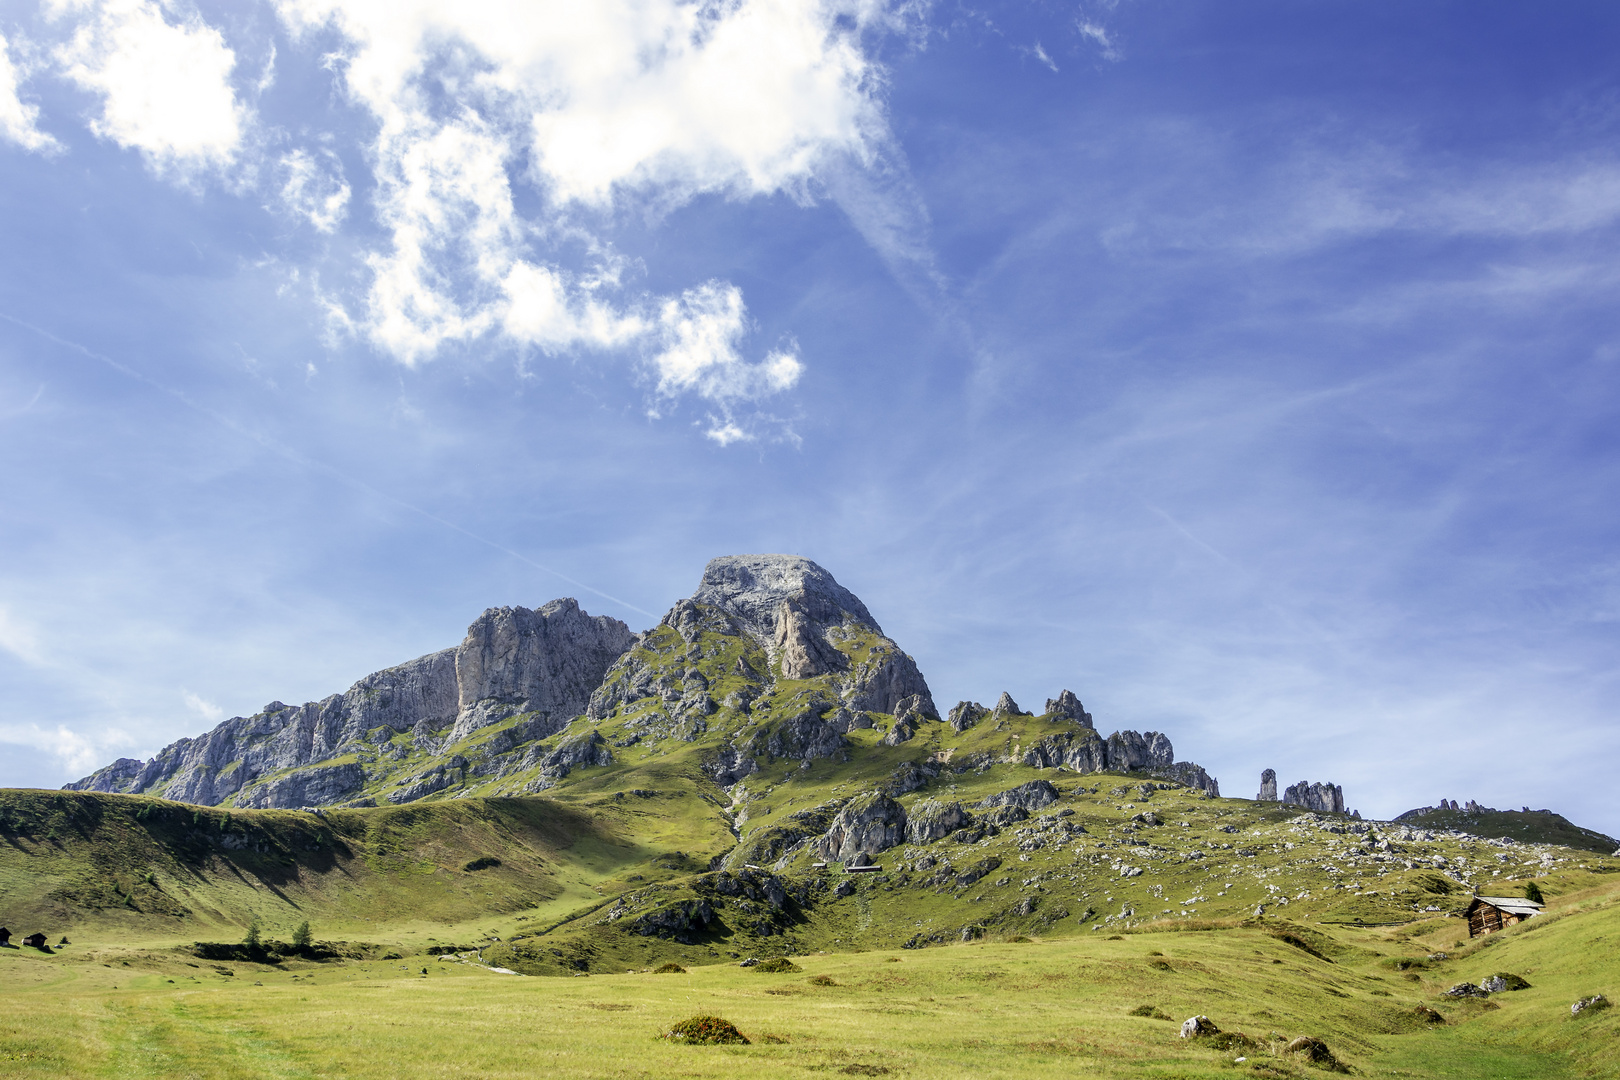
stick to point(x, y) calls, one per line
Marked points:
point(1528, 826)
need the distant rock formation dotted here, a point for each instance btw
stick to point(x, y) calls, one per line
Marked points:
point(1268, 786)
point(1323, 798)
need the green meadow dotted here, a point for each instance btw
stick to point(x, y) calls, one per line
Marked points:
point(509, 937)
point(1060, 1007)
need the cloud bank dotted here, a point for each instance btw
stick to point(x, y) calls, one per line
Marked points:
point(506, 143)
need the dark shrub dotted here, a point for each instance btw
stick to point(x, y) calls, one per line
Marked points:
point(670, 969)
point(705, 1031)
point(780, 966)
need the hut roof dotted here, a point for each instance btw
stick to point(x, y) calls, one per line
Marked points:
point(1516, 905)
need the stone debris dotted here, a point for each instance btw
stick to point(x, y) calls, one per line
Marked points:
point(1589, 1004)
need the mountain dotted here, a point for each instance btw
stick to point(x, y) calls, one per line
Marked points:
point(769, 660)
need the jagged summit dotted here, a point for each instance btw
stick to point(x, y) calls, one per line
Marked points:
point(754, 588)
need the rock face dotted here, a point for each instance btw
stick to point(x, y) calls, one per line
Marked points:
point(1067, 705)
point(1083, 750)
point(1323, 798)
point(1268, 786)
point(549, 661)
point(867, 825)
point(513, 660)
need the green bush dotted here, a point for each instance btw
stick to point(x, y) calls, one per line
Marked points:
point(780, 966)
point(705, 1031)
point(1532, 893)
point(670, 969)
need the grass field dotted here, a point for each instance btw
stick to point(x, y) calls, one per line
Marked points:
point(985, 1009)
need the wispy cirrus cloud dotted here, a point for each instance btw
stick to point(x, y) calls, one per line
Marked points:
point(19, 120)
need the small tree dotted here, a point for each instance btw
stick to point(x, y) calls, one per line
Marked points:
point(1532, 893)
point(252, 939)
point(301, 935)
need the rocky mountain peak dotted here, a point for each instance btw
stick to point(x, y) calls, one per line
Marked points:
point(760, 590)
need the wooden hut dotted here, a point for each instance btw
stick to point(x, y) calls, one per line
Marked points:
point(35, 941)
point(1489, 913)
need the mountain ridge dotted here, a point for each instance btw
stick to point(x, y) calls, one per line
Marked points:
point(769, 659)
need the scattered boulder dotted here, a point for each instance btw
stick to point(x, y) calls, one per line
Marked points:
point(1198, 1027)
point(1595, 1003)
point(750, 962)
point(1467, 990)
point(1503, 981)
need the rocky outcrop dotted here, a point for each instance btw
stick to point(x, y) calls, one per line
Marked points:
point(1268, 786)
point(320, 786)
point(547, 661)
point(1323, 798)
point(934, 820)
point(757, 590)
point(1084, 751)
point(1006, 707)
point(865, 826)
point(1030, 797)
point(964, 714)
point(1067, 706)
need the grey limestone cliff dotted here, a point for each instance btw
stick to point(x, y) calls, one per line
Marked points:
point(513, 660)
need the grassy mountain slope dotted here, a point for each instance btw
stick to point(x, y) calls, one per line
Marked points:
point(1054, 1007)
point(1527, 826)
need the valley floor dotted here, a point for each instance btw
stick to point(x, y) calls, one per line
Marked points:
point(982, 1010)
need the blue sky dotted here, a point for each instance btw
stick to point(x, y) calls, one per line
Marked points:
point(1248, 368)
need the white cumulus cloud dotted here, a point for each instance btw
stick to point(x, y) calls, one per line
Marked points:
point(164, 86)
point(18, 119)
point(594, 110)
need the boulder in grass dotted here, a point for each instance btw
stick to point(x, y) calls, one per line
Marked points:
point(706, 1031)
point(1589, 1005)
point(1502, 982)
point(1198, 1026)
point(1467, 990)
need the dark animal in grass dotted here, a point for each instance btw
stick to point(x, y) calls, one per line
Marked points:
point(1316, 1052)
point(779, 966)
point(705, 1031)
point(670, 969)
